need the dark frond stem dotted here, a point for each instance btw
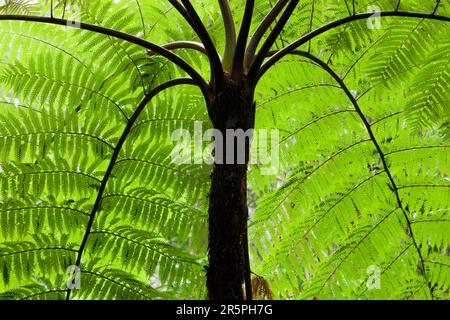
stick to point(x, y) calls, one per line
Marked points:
point(283, 42)
point(437, 6)
point(425, 186)
point(261, 30)
point(115, 155)
point(182, 45)
point(270, 29)
point(354, 7)
point(118, 283)
point(142, 18)
point(311, 23)
point(330, 57)
point(214, 58)
point(311, 35)
point(417, 148)
point(196, 26)
point(381, 154)
point(38, 249)
point(230, 34)
point(361, 56)
point(348, 8)
point(238, 61)
point(182, 10)
point(42, 293)
point(119, 35)
point(64, 9)
point(398, 5)
point(259, 59)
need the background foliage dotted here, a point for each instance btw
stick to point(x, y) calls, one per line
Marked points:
point(316, 229)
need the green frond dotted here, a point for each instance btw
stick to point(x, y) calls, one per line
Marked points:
point(329, 222)
point(95, 207)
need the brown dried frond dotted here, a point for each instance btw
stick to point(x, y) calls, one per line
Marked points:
point(261, 289)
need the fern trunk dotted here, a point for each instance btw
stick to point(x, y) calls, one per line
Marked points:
point(232, 108)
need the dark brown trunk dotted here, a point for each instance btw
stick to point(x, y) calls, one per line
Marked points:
point(232, 108)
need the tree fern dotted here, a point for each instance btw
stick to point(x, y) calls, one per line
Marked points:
point(92, 205)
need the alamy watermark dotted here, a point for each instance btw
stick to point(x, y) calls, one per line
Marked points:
point(374, 22)
point(74, 281)
point(208, 147)
point(373, 281)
